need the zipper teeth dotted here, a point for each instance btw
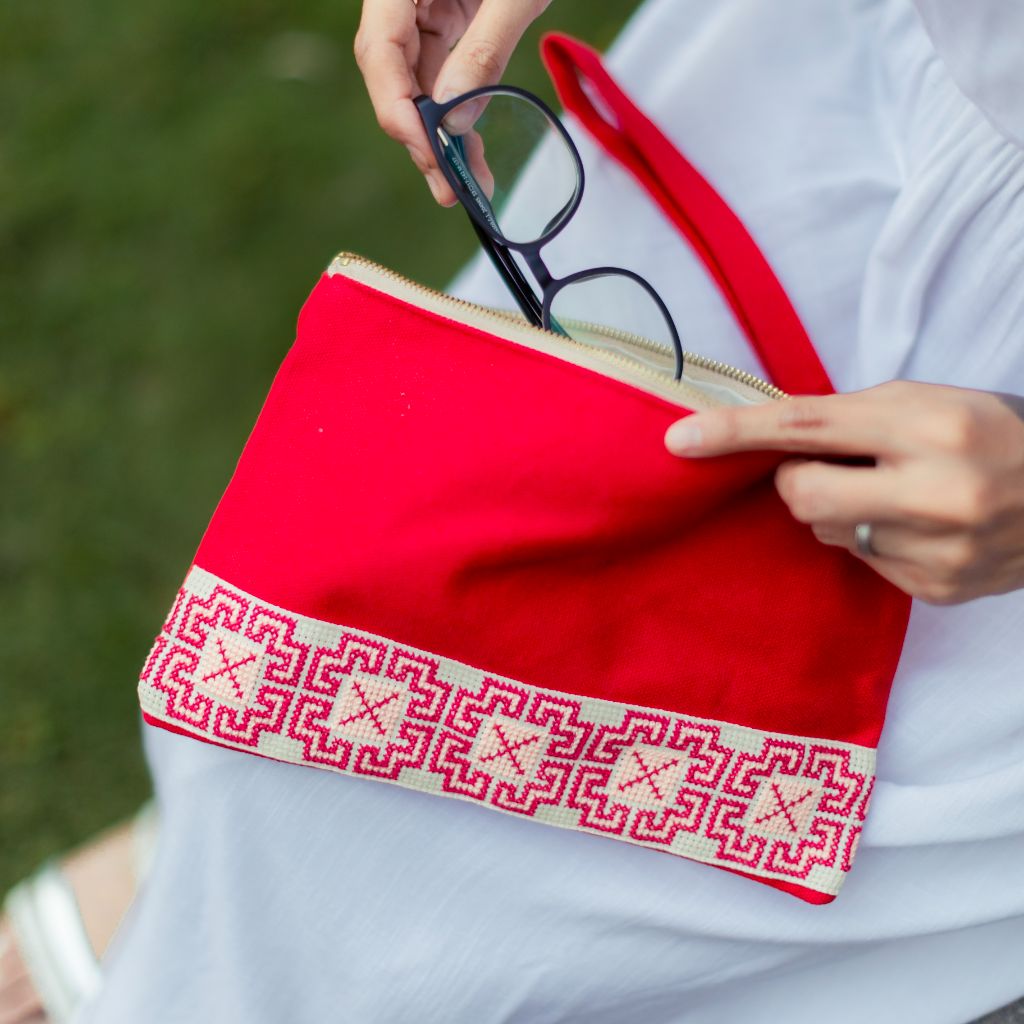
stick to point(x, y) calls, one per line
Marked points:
point(750, 379)
point(636, 340)
point(714, 365)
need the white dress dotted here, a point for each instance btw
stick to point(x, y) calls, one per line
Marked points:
point(874, 149)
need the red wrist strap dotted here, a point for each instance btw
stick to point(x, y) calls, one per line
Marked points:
point(744, 276)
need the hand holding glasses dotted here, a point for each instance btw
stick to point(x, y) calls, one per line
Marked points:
point(514, 128)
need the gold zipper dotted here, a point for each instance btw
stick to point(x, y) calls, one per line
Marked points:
point(689, 392)
point(713, 365)
point(742, 376)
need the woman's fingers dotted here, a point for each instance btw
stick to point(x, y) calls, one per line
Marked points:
point(860, 423)
point(387, 48)
point(822, 492)
point(435, 48)
point(402, 49)
point(943, 488)
point(481, 55)
point(477, 163)
point(940, 567)
point(937, 550)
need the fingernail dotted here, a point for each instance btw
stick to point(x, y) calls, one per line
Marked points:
point(441, 195)
point(683, 436)
point(434, 190)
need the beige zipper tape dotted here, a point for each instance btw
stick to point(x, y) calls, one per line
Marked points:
point(706, 383)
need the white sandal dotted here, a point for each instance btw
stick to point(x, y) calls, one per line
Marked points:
point(47, 927)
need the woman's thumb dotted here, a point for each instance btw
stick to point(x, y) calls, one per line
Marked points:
point(480, 56)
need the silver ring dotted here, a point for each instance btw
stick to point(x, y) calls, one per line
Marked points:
point(862, 540)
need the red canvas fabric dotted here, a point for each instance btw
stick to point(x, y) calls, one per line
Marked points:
point(429, 482)
point(457, 499)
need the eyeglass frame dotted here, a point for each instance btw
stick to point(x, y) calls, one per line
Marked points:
point(499, 248)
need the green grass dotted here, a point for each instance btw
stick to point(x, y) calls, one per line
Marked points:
point(169, 192)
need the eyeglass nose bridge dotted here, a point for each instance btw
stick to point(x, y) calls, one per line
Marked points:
point(539, 269)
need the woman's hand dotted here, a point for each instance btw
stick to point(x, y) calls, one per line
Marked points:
point(945, 496)
point(405, 48)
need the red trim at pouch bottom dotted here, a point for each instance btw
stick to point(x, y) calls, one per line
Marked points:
point(231, 670)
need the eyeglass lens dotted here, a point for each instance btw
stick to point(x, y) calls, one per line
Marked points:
point(615, 312)
point(498, 141)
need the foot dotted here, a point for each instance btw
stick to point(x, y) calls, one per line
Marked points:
point(47, 955)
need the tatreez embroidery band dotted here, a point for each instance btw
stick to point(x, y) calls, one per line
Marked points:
point(237, 671)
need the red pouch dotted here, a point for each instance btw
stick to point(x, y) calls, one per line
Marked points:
point(455, 555)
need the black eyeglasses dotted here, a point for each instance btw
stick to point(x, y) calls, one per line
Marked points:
point(487, 140)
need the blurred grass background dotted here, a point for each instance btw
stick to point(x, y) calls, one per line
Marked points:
point(174, 175)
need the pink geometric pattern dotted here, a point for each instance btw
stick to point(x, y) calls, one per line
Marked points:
point(231, 669)
point(648, 776)
point(368, 709)
point(507, 749)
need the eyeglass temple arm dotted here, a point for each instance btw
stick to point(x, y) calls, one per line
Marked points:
point(454, 152)
point(524, 295)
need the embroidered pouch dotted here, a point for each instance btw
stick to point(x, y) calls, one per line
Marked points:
point(456, 556)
